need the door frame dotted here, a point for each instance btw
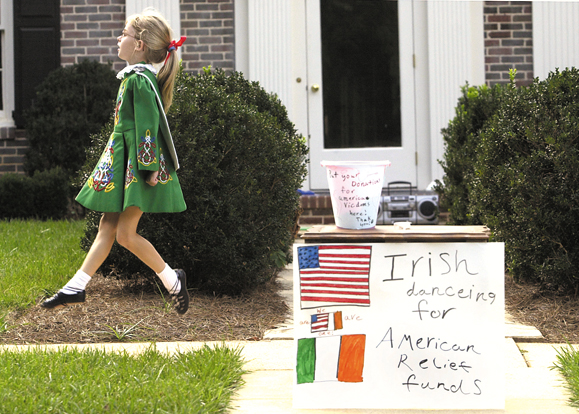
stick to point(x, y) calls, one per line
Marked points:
point(404, 166)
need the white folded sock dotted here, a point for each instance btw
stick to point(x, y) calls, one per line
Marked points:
point(170, 280)
point(76, 284)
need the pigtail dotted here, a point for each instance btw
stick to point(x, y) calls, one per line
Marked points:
point(166, 78)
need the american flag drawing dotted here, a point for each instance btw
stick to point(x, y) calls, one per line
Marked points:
point(320, 322)
point(334, 275)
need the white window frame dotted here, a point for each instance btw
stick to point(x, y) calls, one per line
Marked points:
point(7, 78)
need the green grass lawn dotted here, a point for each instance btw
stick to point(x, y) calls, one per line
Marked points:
point(36, 259)
point(568, 365)
point(92, 381)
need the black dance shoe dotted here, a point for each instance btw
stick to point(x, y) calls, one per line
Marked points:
point(61, 300)
point(181, 299)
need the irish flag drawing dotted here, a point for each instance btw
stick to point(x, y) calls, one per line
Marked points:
point(332, 358)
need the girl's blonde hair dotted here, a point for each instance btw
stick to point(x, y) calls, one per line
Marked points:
point(154, 30)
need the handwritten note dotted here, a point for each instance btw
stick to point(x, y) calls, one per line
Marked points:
point(399, 325)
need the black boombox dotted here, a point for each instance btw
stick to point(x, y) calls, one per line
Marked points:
point(403, 203)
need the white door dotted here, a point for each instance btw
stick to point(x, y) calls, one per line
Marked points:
point(360, 86)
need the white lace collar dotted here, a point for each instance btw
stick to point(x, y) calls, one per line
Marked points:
point(139, 67)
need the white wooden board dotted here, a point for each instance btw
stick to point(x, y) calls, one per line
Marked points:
point(399, 325)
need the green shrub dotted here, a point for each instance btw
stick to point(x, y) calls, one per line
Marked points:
point(526, 182)
point(475, 106)
point(242, 162)
point(15, 193)
point(43, 196)
point(70, 104)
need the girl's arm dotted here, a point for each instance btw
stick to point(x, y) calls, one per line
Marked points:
point(146, 113)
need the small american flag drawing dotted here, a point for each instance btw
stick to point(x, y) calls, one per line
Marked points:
point(334, 275)
point(320, 322)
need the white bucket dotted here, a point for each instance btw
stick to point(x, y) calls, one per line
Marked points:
point(356, 189)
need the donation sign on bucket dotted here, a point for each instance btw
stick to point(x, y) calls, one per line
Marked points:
point(355, 188)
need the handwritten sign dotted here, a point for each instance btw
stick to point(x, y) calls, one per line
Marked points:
point(399, 325)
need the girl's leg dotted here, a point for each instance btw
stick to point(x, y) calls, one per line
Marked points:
point(128, 237)
point(74, 291)
point(102, 244)
point(100, 249)
point(174, 281)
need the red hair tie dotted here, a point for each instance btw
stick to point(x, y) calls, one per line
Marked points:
point(174, 45)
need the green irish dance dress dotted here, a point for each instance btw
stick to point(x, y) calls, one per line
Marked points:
point(140, 143)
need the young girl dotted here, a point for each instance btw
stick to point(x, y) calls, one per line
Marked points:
point(141, 147)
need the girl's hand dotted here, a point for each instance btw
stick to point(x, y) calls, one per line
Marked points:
point(153, 178)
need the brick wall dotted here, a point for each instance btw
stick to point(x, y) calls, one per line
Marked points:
point(89, 29)
point(13, 146)
point(508, 41)
point(317, 209)
point(208, 25)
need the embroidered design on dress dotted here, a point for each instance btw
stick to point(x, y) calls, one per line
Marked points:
point(147, 147)
point(130, 174)
point(120, 100)
point(102, 177)
point(164, 175)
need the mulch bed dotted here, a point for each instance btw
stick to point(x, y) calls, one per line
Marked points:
point(114, 308)
point(556, 316)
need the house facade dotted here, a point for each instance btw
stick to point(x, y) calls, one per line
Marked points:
point(362, 80)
